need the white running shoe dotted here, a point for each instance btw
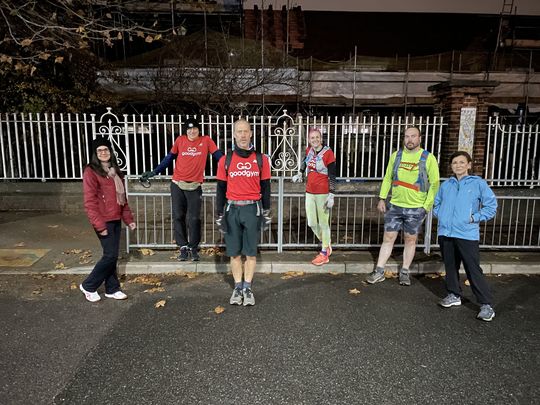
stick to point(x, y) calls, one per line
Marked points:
point(90, 296)
point(119, 295)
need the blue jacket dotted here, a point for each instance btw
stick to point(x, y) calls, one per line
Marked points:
point(458, 201)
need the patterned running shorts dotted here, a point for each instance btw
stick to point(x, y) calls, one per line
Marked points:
point(408, 219)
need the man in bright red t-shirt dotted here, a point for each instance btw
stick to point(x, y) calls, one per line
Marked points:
point(190, 152)
point(242, 207)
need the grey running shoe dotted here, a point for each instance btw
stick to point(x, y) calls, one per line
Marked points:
point(451, 300)
point(486, 313)
point(195, 255)
point(236, 297)
point(249, 299)
point(404, 278)
point(376, 276)
point(184, 254)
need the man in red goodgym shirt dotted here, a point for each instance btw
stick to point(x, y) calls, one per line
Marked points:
point(242, 206)
point(190, 152)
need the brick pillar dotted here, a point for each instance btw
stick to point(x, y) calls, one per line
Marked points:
point(456, 101)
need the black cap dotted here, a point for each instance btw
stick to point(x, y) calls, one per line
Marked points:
point(192, 123)
point(101, 141)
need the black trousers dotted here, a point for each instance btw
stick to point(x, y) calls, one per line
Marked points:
point(455, 251)
point(105, 268)
point(186, 216)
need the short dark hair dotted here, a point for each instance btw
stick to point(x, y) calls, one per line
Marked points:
point(462, 153)
point(413, 127)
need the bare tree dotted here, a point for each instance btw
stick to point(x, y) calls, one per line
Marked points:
point(35, 31)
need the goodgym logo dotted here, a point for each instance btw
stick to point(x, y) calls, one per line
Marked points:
point(243, 169)
point(191, 151)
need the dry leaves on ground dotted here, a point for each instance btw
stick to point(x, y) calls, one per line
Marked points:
point(292, 274)
point(467, 282)
point(390, 274)
point(59, 266)
point(52, 226)
point(432, 275)
point(73, 286)
point(160, 304)
point(212, 251)
point(147, 252)
point(37, 291)
point(354, 291)
point(146, 280)
point(20, 244)
point(154, 290)
point(188, 274)
point(85, 258)
point(42, 276)
point(219, 309)
point(72, 252)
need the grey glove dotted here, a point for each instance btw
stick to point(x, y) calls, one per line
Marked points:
point(220, 223)
point(266, 219)
point(297, 178)
point(329, 203)
point(146, 175)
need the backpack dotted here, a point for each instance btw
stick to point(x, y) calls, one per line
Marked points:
point(422, 183)
point(228, 159)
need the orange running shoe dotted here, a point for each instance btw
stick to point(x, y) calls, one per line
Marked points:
point(320, 260)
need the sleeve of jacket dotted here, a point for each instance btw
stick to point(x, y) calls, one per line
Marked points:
point(91, 199)
point(127, 215)
point(387, 180)
point(434, 179)
point(438, 201)
point(489, 204)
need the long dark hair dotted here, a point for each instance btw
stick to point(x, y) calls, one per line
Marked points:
point(95, 163)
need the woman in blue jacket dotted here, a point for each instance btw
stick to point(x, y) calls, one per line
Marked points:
point(463, 201)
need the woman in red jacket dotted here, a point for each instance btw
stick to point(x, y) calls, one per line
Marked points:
point(105, 204)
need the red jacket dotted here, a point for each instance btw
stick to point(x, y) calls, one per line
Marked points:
point(100, 201)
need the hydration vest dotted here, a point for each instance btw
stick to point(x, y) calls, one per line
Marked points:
point(422, 183)
point(320, 167)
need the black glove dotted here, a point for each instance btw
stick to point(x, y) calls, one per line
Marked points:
point(266, 220)
point(146, 175)
point(221, 223)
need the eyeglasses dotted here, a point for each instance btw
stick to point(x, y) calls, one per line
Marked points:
point(103, 151)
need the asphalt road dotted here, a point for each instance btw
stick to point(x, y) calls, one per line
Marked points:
point(307, 341)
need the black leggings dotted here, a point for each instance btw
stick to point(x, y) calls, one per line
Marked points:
point(186, 215)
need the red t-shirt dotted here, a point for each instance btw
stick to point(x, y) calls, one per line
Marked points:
point(317, 183)
point(191, 158)
point(244, 179)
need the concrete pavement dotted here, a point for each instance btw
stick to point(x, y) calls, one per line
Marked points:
point(71, 247)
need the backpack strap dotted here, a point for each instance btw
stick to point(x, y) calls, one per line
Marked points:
point(228, 158)
point(397, 162)
point(423, 180)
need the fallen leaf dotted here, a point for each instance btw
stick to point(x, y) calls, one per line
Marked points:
point(20, 244)
point(147, 252)
point(160, 304)
point(59, 266)
point(72, 252)
point(52, 226)
point(73, 286)
point(291, 274)
point(432, 275)
point(37, 291)
point(354, 291)
point(333, 273)
point(59, 59)
point(390, 274)
point(154, 290)
point(467, 282)
point(26, 42)
point(147, 280)
point(219, 309)
point(190, 274)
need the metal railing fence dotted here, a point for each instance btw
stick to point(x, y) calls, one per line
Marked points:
point(512, 154)
point(355, 223)
point(56, 146)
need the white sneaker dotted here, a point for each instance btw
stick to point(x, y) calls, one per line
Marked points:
point(119, 295)
point(90, 296)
